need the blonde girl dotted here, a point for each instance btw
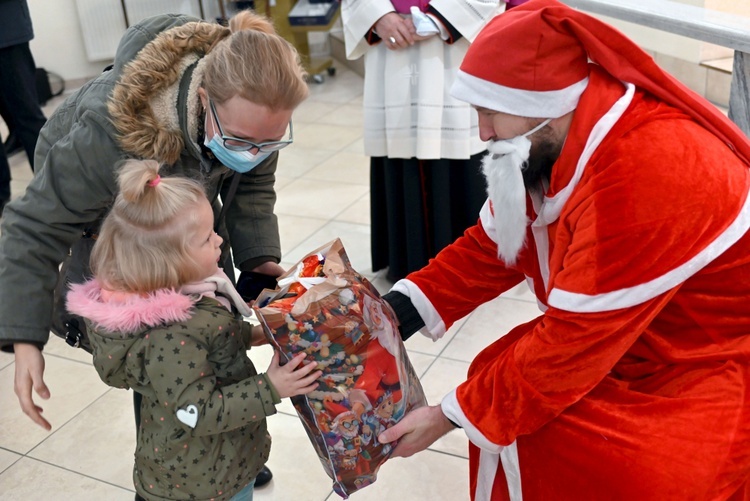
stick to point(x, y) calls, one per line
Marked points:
point(164, 320)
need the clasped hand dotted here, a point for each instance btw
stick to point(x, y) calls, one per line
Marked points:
point(392, 27)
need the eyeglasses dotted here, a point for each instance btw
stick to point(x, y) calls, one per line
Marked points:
point(350, 424)
point(237, 144)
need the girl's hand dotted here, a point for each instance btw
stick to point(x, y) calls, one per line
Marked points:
point(293, 379)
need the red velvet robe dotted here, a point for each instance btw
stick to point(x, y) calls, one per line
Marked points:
point(634, 384)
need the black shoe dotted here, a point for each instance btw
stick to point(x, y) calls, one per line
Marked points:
point(264, 476)
point(2, 206)
point(12, 145)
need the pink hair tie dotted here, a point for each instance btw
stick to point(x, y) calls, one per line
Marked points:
point(155, 181)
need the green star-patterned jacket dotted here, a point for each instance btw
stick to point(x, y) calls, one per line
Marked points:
point(203, 416)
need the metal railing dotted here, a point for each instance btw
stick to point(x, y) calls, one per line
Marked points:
point(706, 25)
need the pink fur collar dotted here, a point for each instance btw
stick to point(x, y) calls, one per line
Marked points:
point(132, 314)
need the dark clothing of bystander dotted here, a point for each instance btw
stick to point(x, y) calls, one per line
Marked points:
point(18, 98)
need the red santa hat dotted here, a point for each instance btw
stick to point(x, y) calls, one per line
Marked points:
point(334, 408)
point(514, 66)
point(337, 412)
point(533, 61)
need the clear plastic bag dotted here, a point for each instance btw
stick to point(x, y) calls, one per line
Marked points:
point(326, 309)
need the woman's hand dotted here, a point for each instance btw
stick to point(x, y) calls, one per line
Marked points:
point(270, 268)
point(292, 379)
point(396, 31)
point(29, 374)
point(257, 336)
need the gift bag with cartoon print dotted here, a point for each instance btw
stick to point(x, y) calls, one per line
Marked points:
point(326, 309)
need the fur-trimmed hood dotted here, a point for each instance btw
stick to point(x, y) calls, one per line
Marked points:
point(119, 324)
point(116, 327)
point(132, 315)
point(154, 69)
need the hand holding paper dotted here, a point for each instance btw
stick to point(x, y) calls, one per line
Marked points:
point(423, 23)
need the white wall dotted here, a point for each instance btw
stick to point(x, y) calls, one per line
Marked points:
point(679, 47)
point(739, 7)
point(58, 44)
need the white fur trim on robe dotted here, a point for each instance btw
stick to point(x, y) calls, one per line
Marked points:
point(490, 455)
point(434, 326)
point(408, 111)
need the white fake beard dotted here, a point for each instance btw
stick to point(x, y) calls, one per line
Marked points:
point(503, 169)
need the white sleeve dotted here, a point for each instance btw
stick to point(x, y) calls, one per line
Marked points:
point(468, 16)
point(357, 17)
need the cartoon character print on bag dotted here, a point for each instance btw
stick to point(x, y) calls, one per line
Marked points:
point(341, 326)
point(380, 418)
point(357, 381)
point(347, 439)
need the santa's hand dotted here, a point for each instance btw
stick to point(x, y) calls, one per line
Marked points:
point(417, 430)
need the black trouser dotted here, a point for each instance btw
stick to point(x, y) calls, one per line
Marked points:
point(19, 105)
point(137, 397)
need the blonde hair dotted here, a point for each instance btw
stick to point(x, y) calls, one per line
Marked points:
point(143, 242)
point(255, 63)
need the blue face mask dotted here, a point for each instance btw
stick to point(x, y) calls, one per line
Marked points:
point(239, 161)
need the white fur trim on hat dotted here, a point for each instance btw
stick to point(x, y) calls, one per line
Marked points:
point(519, 102)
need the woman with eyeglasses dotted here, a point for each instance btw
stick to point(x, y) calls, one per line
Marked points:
point(208, 102)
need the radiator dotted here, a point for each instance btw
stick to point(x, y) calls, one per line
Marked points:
point(103, 22)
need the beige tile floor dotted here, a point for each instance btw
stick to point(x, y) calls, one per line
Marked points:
point(323, 193)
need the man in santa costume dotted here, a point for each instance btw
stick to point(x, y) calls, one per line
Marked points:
point(621, 197)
